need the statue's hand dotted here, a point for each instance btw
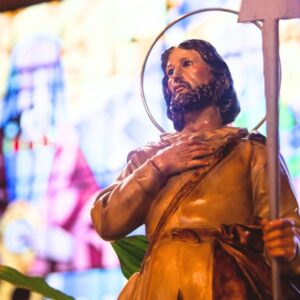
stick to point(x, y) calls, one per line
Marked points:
point(182, 156)
point(281, 239)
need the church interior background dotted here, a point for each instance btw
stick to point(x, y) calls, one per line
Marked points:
point(71, 110)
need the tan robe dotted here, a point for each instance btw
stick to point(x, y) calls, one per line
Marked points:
point(234, 191)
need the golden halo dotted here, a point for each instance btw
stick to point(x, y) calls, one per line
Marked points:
point(198, 11)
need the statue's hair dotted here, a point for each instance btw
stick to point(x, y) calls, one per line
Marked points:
point(226, 101)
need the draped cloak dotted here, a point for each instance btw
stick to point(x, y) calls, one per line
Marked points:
point(210, 246)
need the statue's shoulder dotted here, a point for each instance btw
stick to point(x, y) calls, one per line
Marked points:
point(256, 137)
point(146, 152)
point(136, 154)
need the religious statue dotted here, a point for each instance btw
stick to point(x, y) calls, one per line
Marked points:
point(202, 194)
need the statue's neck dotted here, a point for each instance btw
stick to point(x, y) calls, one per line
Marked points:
point(205, 119)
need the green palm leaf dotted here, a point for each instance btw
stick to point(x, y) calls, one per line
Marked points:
point(34, 284)
point(131, 251)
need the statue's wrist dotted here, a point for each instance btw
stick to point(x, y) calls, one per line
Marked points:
point(158, 167)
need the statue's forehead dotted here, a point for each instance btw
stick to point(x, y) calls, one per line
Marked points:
point(178, 54)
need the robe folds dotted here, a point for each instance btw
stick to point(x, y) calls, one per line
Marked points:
point(209, 246)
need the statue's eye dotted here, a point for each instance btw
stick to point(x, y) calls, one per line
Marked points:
point(170, 71)
point(187, 63)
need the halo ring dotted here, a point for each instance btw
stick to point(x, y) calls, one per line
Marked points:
point(198, 11)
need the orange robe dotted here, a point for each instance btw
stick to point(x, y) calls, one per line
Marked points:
point(234, 191)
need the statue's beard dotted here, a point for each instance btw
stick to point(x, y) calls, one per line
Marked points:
point(192, 99)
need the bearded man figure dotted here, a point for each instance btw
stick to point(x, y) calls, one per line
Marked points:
point(202, 194)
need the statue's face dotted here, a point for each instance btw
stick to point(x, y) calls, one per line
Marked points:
point(186, 69)
point(189, 80)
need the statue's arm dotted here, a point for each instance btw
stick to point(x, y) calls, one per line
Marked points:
point(289, 209)
point(122, 207)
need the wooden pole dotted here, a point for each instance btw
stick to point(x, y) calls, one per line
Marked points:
point(271, 66)
point(270, 12)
